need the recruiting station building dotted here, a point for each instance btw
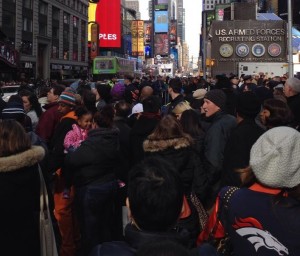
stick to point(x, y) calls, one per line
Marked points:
point(246, 41)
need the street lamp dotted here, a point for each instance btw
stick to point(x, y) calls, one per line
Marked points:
point(290, 45)
point(290, 37)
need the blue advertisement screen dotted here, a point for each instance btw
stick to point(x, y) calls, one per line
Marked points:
point(147, 51)
point(161, 22)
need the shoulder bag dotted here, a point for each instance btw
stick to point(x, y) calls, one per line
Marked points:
point(47, 237)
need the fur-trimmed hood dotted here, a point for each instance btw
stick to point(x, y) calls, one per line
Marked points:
point(20, 160)
point(160, 145)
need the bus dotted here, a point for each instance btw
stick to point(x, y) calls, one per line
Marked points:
point(105, 67)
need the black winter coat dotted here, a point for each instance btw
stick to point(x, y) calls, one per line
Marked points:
point(180, 153)
point(96, 158)
point(142, 128)
point(20, 203)
point(237, 151)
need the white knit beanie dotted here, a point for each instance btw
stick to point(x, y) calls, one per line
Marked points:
point(275, 158)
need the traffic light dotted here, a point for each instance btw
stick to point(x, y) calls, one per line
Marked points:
point(210, 62)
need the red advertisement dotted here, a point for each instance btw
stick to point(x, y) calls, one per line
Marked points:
point(108, 16)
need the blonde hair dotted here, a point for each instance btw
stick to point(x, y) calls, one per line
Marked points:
point(181, 107)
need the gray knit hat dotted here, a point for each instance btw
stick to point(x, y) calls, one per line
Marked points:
point(274, 158)
point(218, 97)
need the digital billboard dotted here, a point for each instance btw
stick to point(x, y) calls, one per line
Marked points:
point(94, 40)
point(107, 15)
point(147, 32)
point(134, 38)
point(140, 29)
point(161, 44)
point(137, 32)
point(173, 32)
point(161, 21)
point(148, 51)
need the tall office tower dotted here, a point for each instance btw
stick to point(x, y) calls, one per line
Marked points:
point(183, 25)
point(180, 21)
point(134, 5)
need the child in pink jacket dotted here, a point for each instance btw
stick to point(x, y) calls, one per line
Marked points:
point(78, 134)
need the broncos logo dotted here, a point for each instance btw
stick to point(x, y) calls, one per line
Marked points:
point(251, 229)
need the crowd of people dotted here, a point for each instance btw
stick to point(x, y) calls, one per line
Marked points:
point(150, 166)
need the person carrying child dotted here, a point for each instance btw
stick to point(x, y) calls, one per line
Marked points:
point(75, 137)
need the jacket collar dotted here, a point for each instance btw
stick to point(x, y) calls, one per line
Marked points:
point(159, 145)
point(136, 238)
point(24, 159)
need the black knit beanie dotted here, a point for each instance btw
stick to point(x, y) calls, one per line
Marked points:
point(218, 97)
point(248, 104)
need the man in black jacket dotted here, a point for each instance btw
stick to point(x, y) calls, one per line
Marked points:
point(242, 138)
point(155, 199)
point(214, 142)
point(174, 90)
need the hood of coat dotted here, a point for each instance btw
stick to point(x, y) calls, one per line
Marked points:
point(160, 145)
point(24, 159)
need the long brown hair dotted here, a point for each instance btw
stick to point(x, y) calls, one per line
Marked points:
point(13, 138)
point(168, 128)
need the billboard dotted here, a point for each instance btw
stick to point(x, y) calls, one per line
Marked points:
point(161, 21)
point(137, 32)
point(134, 38)
point(222, 12)
point(161, 44)
point(147, 32)
point(107, 14)
point(148, 51)
point(173, 32)
point(127, 44)
point(140, 28)
point(94, 40)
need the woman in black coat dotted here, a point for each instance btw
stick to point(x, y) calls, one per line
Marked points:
point(93, 167)
point(19, 191)
point(170, 142)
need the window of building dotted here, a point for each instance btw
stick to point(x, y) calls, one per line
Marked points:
point(66, 18)
point(75, 22)
point(66, 54)
point(54, 52)
point(27, 4)
point(27, 24)
point(75, 54)
point(8, 20)
point(43, 8)
point(66, 36)
point(55, 13)
point(43, 29)
point(55, 32)
point(75, 38)
point(26, 47)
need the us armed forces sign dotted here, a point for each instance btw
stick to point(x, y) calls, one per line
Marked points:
point(249, 41)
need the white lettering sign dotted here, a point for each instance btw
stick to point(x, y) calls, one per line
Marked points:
point(108, 37)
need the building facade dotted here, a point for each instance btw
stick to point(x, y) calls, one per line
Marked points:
point(134, 5)
point(50, 37)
